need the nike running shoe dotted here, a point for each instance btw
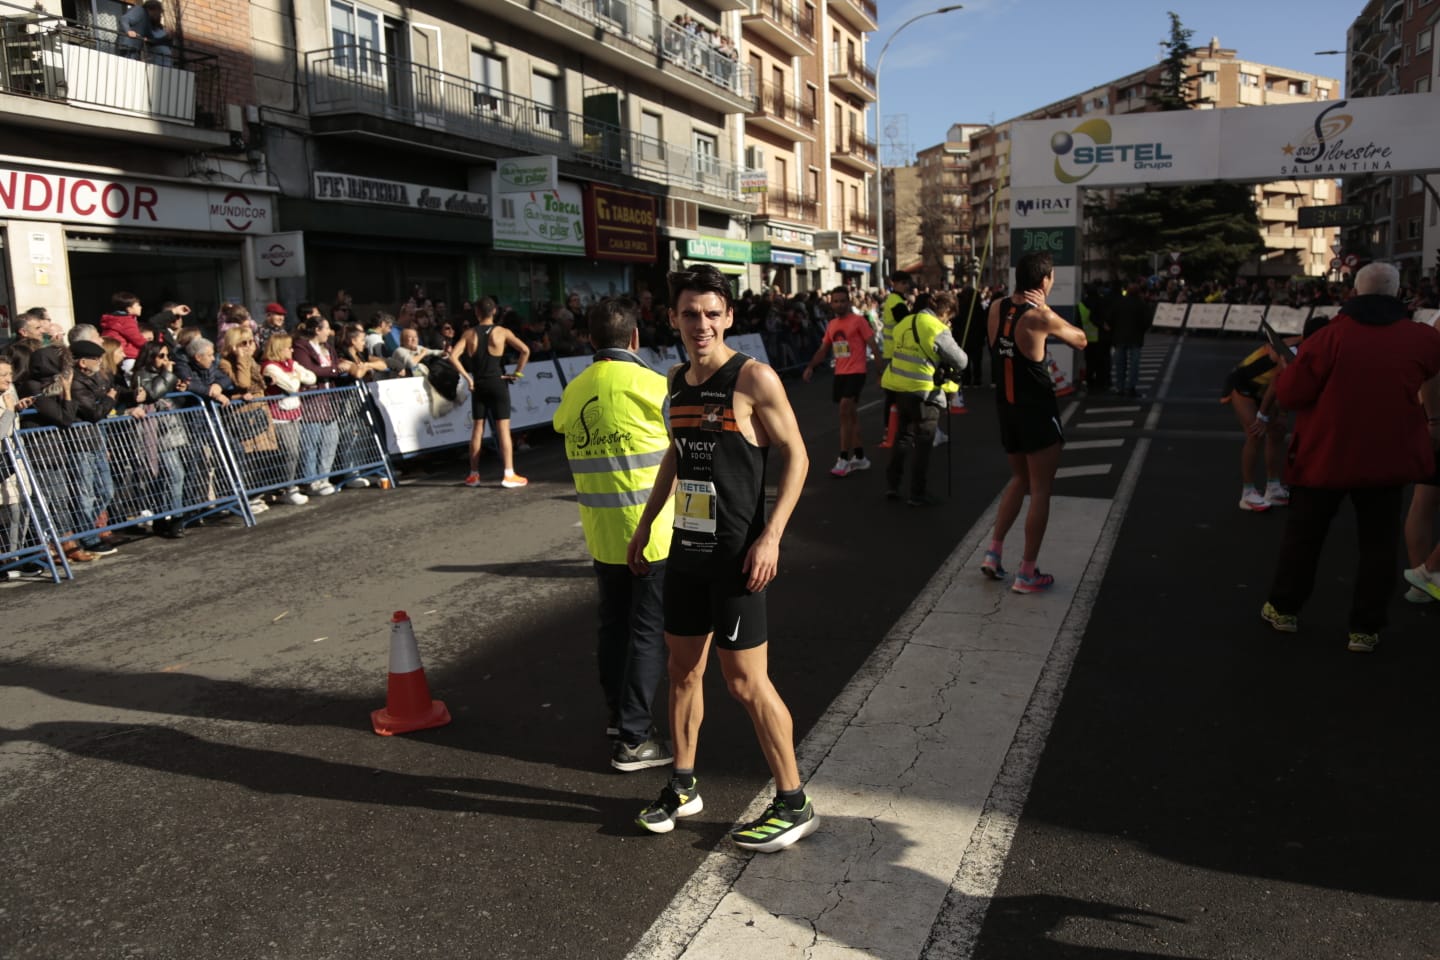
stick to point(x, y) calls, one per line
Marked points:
point(1284, 622)
point(1037, 582)
point(651, 753)
point(859, 463)
point(1277, 495)
point(1363, 642)
point(777, 828)
point(990, 566)
point(675, 801)
point(512, 481)
point(1418, 577)
point(841, 468)
point(473, 480)
point(1254, 500)
point(1416, 595)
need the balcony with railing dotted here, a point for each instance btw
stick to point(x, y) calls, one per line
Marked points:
point(861, 223)
point(783, 23)
point(855, 150)
point(780, 112)
point(683, 56)
point(103, 77)
point(1390, 51)
point(861, 13)
point(353, 89)
point(788, 205)
point(853, 77)
point(1391, 11)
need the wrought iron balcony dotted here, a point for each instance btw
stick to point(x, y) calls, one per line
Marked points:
point(789, 206)
point(783, 23)
point(781, 112)
point(863, 224)
point(862, 13)
point(354, 81)
point(855, 149)
point(64, 61)
point(853, 77)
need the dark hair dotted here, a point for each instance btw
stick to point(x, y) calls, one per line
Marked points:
point(148, 353)
point(840, 289)
point(701, 278)
point(307, 329)
point(1031, 271)
point(303, 308)
point(18, 353)
point(379, 318)
point(901, 276)
point(612, 321)
point(35, 313)
point(122, 301)
point(944, 304)
point(485, 308)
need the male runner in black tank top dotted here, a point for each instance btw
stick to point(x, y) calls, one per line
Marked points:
point(1029, 415)
point(727, 411)
point(475, 356)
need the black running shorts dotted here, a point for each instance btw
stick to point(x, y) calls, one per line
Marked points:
point(1028, 429)
point(492, 396)
point(698, 604)
point(847, 385)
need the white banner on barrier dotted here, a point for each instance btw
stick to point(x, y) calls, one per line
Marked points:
point(571, 367)
point(1169, 316)
point(1207, 316)
point(535, 397)
point(417, 418)
point(1244, 318)
point(1289, 321)
point(750, 343)
point(1327, 311)
point(1431, 317)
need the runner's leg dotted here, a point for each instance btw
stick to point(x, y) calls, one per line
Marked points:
point(687, 694)
point(1042, 464)
point(1014, 496)
point(507, 445)
point(477, 438)
point(747, 678)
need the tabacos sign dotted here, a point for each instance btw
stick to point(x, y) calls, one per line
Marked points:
point(1323, 149)
point(1087, 148)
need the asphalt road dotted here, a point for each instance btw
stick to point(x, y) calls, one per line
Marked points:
point(185, 752)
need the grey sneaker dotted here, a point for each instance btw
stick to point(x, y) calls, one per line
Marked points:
point(651, 753)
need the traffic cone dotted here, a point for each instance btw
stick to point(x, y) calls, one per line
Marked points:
point(892, 427)
point(408, 706)
point(1063, 387)
point(957, 402)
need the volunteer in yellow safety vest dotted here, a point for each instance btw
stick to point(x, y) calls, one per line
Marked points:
point(925, 356)
point(894, 308)
point(613, 419)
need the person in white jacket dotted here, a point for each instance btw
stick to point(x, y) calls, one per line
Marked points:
point(283, 380)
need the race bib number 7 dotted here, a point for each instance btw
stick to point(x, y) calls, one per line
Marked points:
point(695, 506)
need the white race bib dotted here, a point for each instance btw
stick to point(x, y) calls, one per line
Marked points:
point(695, 506)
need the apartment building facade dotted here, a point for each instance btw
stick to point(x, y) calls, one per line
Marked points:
point(812, 227)
point(1217, 79)
point(943, 204)
point(1391, 49)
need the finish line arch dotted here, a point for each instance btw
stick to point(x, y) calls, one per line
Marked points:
point(1051, 161)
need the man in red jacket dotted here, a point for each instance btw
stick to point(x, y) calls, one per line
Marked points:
point(1360, 432)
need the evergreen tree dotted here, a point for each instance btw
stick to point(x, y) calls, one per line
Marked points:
point(1214, 226)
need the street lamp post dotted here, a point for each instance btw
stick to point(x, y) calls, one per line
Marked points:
point(1389, 74)
point(879, 157)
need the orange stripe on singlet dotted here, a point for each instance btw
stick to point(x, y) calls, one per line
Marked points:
point(1009, 331)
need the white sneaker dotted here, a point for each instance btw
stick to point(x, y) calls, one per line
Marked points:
point(359, 483)
point(1252, 500)
point(295, 498)
point(258, 505)
point(859, 463)
point(1277, 495)
point(841, 468)
point(940, 438)
point(513, 481)
point(321, 489)
point(1416, 595)
point(1418, 577)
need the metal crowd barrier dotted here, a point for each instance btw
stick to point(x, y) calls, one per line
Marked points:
point(282, 442)
point(27, 534)
point(62, 485)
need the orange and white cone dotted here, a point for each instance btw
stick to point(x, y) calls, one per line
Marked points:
point(892, 427)
point(957, 402)
point(1063, 387)
point(408, 706)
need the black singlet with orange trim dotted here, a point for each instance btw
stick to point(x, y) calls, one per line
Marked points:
point(1022, 382)
point(720, 475)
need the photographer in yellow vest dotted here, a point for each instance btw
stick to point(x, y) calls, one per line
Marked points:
point(925, 358)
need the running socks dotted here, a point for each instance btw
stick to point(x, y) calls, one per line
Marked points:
point(1027, 568)
point(685, 778)
point(794, 799)
point(997, 547)
point(859, 453)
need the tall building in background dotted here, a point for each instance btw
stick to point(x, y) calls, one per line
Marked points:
point(1391, 50)
point(943, 205)
point(812, 227)
point(1217, 79)
point(904, 217)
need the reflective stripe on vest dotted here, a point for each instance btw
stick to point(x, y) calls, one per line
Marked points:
point(633, 461)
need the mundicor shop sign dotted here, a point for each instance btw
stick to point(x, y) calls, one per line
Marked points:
point(121, 202)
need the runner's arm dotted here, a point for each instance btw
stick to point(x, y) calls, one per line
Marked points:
point(819, 357)
point(772, 407)
point(520, 347)
point(457, 355)
point(1054, 325)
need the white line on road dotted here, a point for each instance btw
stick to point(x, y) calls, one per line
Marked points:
point(1104, 424)
point(1101, 411)
point(1094, 444)
point(1085, 470)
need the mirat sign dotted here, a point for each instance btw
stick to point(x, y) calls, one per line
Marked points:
point(1320, 139)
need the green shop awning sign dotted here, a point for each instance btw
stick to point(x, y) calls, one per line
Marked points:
point(727, 251)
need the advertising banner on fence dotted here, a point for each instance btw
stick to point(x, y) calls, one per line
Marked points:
point(417, 419)
point(535, 397)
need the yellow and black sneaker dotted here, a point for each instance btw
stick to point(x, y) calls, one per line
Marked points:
point(777, 828)
point(676, 800)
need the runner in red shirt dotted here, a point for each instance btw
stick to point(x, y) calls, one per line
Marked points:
point(847, 338)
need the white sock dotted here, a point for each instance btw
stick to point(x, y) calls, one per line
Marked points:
point(509, 473)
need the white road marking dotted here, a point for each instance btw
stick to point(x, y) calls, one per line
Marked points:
point(1104, 424)
point(1101, 411)
point(1094, 444)
point(1085, 470)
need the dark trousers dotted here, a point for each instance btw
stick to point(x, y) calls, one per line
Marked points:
point(1307, 521)
point(631, 648)
point(975, 351)
point(1097, 365)
point(918, 421)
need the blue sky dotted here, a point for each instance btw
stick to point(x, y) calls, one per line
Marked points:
point(996, 59)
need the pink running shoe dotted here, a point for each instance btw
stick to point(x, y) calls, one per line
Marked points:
point(1037, 582)
point(990, 566)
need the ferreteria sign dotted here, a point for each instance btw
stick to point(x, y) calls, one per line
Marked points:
point(1318, 139)
point(345, 188)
